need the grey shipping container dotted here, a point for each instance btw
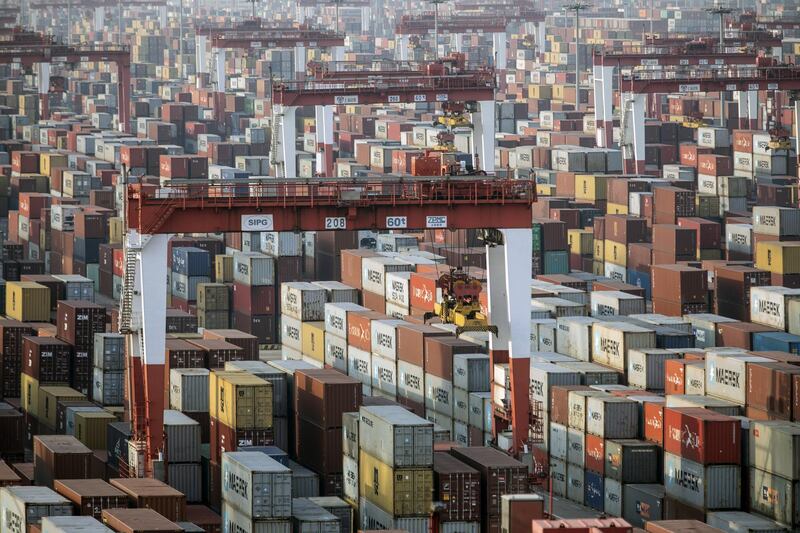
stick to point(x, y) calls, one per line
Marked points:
point(613, 497)
point(308, 517)
point(612, 418)
point(373, 517)
point(395, 436)
point(741, 522)
point(259, 486)
point(108, 386)
point(305, 483)
point(188, 389)
point(186, 478)
point(338, 508)
point(109, 351)
point(775, 497)
point(182, 437)
point(642, 503)
point(350, 434)
point(21, 507)
point(72, 524)
point(471, 372)
point(233, 521)
point(632, 461)
point(702, 487)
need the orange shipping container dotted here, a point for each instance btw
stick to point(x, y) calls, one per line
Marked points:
point(423, 290)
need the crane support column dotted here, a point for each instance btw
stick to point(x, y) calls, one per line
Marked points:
point(457, 42)
point(603, 105)
point(752, 109)
point(219, 79)
point(99, 19)
point(324, 138)
point(633, 115)
point(44, 90)
point(201, 58)
point(540, 38)
point(162, 16)
point(148, 324)
point(338, 56)
point(124, 97)
point(483, 133)
point(300, 62)
point(509, 275)
point(286, 152)
point(366, 19)
point(499, 41)
point(401, 48)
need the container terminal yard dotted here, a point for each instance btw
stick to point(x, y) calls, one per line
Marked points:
point(425, 266)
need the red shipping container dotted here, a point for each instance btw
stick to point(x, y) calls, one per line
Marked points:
point(25, 162)
point(254, 300)
point(769, 387)
point(32, 203)
point(359, 328)
point(708, 231)
point(702, 435)
point(675, 376)
point(174, 166)
point(743, 141)
point(595, 453)
point(119, 262)
point(689, 153)
point(679, 283)
point(714, 165)
point(654, 422)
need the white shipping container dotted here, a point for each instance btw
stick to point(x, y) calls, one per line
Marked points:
point(438, 394)
point(612, 340)
point(410, 382)
point(359, 365)
point(776, 221)
point(577, 407)
point(610, 303)
point(544, 376)
point(695, 376)
point(646, 368)
point(702, 487)
point(615, 272)
point(282, 243)
point(236, 521)
point(253, 268)
point(471, 372)
point(726, 375)
point(543, 335)
point(576, 447)
point(336, 317)
point(739, 238)
point(574, 337)
point(711, 137)
point(188, 391)
point(398, 288)
point(384, 337)
point(575, 483)
point(374, 270)
point(291, 335)
point(303, 301)
point(22, 507)
point(336, 352)
point(350, 479)
point(558, 474)
point(384, 375)
point(558, 441)
point(73, 524)
point(768, 305)
point(257, 484)
point(743, 161)
point(481, 411)
point(706, 402)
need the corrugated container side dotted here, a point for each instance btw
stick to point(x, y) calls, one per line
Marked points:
point(710, 487)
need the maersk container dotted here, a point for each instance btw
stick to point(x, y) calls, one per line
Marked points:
point(257, 485)
point(350, 446)
point(282, 243)
point(338, 292)
point(291, 333)
point(384, 337)
point(438, 394)
point(471, 372)
point(576, 447)
point(190, 261)
point(460, 406)
point(303, 301)
point(253, 268)
point(188, 390)
point(72, 524)
point(359, 366)
point(702, 487)
point(706, 402)
point(611, 342)
point(481, 411)
point(558, 307)
point(642, 503)
point(336, 317)
point(575, 482)
point(612, 502)
point(186, 287)
point(558, 475)
point(611, 303)
point(674, 322)
point(726, 375)
point(336, 352)
point(574, 336)
point(395, 436)
point(558, 441)
point(776, 221)
point(646, 368)
point(22, 507)
point(410, 382)
point(544, 376)
point(778, 341)
point(577, 401)
point(374, 270)
point(398, 288)
point(350, 486)
point(612, 418)
point(233, 521)
point(632, 461)
point(594, 490)
point(739, 521)
point(384, 376)
point(372, 517)
point(592, 374)
point(308, 517)
point(768, 305)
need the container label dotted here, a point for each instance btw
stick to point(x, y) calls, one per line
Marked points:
point(257, 223)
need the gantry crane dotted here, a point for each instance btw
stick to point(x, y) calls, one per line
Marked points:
point(152, 214)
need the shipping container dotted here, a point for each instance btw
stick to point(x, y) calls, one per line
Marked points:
point(399, 491)
point(702, 487)
point(90, 496)
point(248, 474)
point(23, 507)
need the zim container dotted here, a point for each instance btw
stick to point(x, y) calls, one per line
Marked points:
point(239, 400)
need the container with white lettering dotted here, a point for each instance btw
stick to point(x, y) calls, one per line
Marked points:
point(702, 487)
point(303, 301)
point(726, 375)
point(256, 485)
point(612, 340)
point(398, 288)
point(574, 337)
point(544, 376)
point(336, 317)
point(642, 503)
point(646, 368)
point(704, 327)
point(359, 366)
point(22, 507)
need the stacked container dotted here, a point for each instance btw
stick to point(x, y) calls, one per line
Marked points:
point(109, 369)
point(774, 470)
point(254, 295)
point(302, 321)
point(190, 267)
point(679, 290)
point(213, 305)
point(78, 321)
point(182, 442)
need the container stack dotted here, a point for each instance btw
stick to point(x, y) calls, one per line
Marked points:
point(336, 331)
point(302, 321)
point(188, 393)
point(679, 290)
point(190, 267)
point(26, 506)
point(773, 477)
point(60, 457)
point(77, 322)
point(213, 305)
point(320, 399)
point(458, 486)
point(619, 232)
point(182, 438)
point(109, 369)
point(470, 378)
point(395, 468)
point(254, 295)
point(550, 247)
point(11, 336)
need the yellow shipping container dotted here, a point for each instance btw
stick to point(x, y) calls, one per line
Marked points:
point(615, 253)
point(49, 396)
point(240, 400)
point(50, 160)
point(580, 241)
point(599, 250)
point(545, 189)
point(115, 230)
point(558, 92)
point(778, 257)
point(223, 269)
point(313, 339)
point(616, 209)
point(398, 491)
point(30, 394)
point(598, 268)
point(91, 428)
point(27, 301)
point(540, 92)
point(591, 187)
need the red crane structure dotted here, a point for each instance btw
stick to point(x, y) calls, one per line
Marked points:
point(436, 83)
point(681, 56)
point(638, 84)
point(153, 213)
point(46, 55)
point(297, 38)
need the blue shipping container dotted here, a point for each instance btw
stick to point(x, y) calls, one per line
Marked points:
point(668, 338)
point(640, 279)
point(190, 261)
point(778, 341)
point(87, 250)
point(593, 490)
point(556, 262)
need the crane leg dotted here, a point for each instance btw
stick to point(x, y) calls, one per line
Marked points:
point(634, 127)
point(401, 48)
point(603, 105)
point(147, 338)
point(499, 43)
point(483, 131)
point(44, 90)
point(324, 137)
point(200, 59)
point(509, 273)
point(300, 63)
point(286, 152)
